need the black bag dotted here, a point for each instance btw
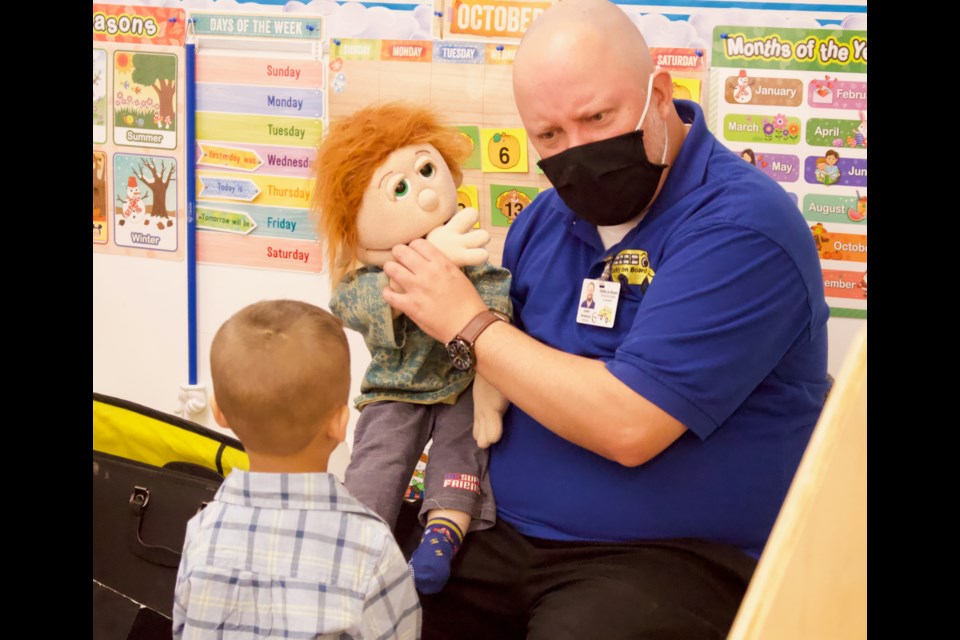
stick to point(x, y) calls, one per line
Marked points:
point(141, 505)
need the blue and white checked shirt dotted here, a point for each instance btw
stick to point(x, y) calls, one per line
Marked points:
point(280, 555)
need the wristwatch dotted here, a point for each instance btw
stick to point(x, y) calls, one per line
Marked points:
point(460, 349)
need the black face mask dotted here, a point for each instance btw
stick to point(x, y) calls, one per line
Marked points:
point(607, 182)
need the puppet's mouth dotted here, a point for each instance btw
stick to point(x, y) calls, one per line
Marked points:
point(390, 248)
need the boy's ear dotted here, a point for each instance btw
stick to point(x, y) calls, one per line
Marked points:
point(338, 423)
point(217, 414)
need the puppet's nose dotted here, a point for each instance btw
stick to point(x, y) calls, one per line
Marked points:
point(428, 200)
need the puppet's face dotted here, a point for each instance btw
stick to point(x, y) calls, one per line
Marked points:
point(410, 194)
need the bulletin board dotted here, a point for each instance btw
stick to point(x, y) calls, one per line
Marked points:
point(469, 85)
point(260, 111)
point(794, 103)
point(138, 131)
point(688, 70)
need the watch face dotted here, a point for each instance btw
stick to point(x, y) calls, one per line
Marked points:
point(460, 354)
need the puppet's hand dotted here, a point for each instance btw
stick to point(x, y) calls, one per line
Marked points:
point(459, 241)
point(488, 407)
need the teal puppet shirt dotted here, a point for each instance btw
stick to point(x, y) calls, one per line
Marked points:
point(406, 364)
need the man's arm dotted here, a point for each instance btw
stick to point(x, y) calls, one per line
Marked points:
point(575, 397)
point(727, 305)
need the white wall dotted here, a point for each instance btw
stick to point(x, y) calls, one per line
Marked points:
point(140, 327)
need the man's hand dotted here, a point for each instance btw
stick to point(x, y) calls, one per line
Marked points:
point(436, 294)
point(459, 241)
point(573, 396)
point(392, 285)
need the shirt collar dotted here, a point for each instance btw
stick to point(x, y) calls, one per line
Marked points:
point(690, 166)
point(315, 491)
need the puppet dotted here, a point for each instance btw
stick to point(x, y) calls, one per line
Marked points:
point(387, 175)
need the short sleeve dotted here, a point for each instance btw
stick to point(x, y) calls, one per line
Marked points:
point(725, 304)
point(358, 302)
point(513, 246)
point(391, 608)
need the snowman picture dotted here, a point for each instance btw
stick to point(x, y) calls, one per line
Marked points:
point(144, 202)
point(742, 92)
point(133, 207)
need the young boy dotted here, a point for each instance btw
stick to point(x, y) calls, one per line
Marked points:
point(283, 550)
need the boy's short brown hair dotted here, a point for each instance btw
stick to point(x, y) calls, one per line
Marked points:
point(280, 368)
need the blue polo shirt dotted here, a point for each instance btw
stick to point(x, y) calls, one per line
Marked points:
point(721, 323)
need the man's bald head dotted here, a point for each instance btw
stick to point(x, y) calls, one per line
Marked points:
point(595, 31)
point(582, 73)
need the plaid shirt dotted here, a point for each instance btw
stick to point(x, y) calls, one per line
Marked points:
point(292, 556)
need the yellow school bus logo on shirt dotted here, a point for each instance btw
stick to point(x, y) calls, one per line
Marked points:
point(633, 265)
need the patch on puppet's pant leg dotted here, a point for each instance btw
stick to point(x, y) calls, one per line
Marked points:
point(466, 481)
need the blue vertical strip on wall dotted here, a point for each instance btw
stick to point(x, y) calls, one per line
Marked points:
point(191, 149)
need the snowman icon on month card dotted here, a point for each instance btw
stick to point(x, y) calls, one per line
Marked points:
point(742, 93)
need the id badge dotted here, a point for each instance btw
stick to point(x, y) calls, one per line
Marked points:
point(598, 303)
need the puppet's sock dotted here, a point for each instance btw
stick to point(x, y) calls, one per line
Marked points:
point(431, 560)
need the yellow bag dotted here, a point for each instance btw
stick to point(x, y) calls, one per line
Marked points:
point(138, 433)
point(151, 473)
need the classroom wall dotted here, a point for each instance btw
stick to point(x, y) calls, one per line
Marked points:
point(140, 324)
point(140, 327)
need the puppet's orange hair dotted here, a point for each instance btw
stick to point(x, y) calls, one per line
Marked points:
point(348, 157)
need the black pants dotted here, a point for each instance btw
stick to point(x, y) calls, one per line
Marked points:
point(506, 585)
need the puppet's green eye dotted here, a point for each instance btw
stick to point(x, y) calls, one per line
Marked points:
point(402, 189)
point(427, 170)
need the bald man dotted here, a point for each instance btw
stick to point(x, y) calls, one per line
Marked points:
point(649, 443)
